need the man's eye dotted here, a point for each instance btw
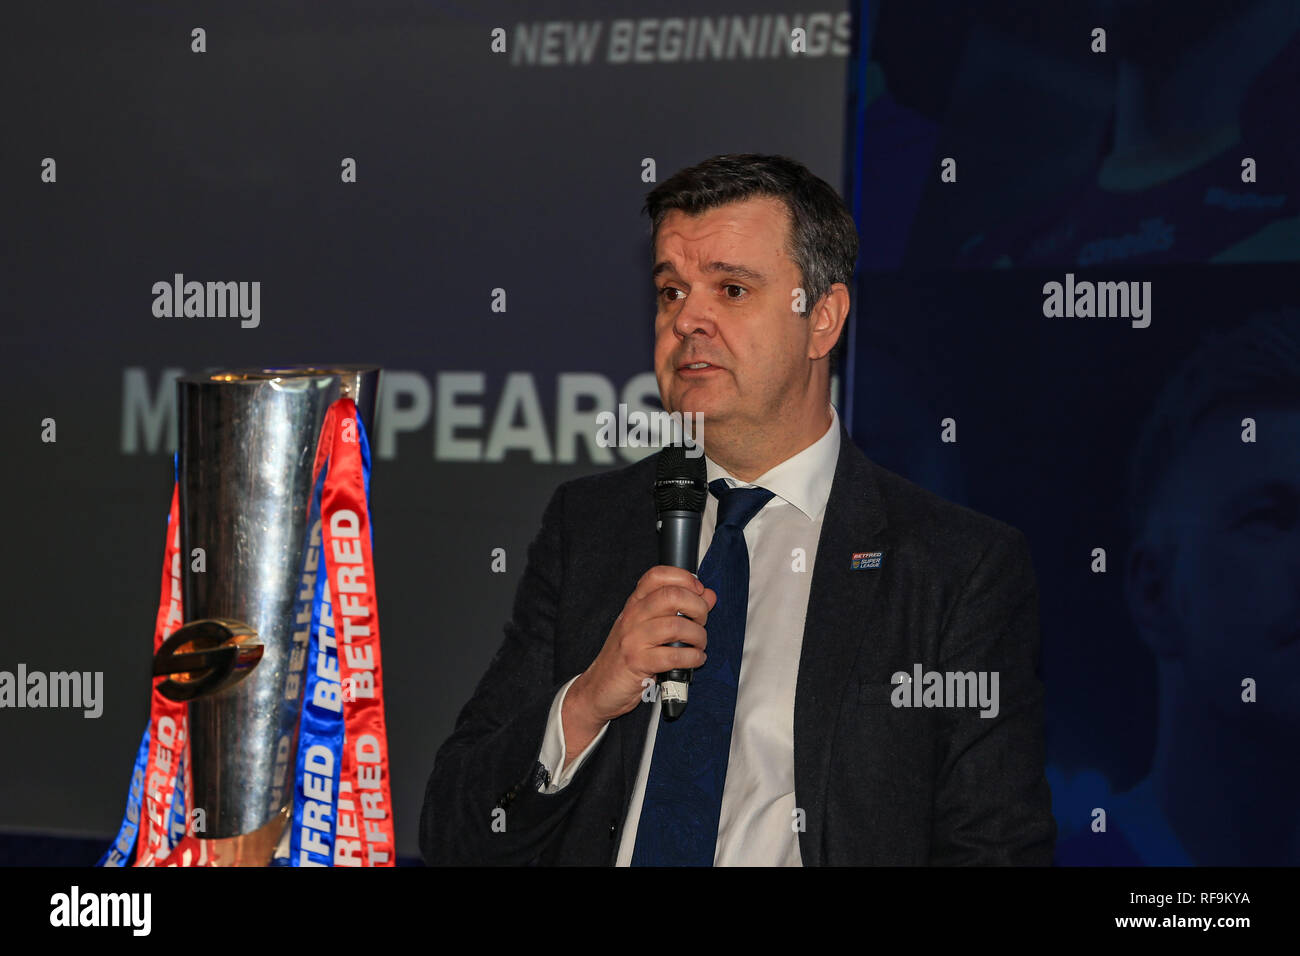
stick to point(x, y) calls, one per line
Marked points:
point(666, 293)
point(740, 289)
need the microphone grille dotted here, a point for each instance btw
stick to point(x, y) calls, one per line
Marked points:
point(680, 481)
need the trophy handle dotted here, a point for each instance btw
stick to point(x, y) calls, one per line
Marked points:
point(206, 657)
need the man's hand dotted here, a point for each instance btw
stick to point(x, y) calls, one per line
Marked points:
point(635, 650)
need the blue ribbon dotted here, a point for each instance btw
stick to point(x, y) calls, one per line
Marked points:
point(120, 851)
point(321, 727)
point(178, 817)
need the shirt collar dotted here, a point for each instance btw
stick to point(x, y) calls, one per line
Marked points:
point(803, 480)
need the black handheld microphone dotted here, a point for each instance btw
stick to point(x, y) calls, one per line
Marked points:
point(681, 489)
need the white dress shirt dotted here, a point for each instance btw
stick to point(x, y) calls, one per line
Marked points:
point(758, 825)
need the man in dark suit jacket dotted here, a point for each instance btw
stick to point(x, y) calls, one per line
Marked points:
point(950, 590)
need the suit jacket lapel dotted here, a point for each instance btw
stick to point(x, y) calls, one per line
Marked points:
point(839, 609)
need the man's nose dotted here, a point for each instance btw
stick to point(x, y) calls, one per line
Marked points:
point(694, 316)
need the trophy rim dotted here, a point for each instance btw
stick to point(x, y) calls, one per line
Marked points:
point(257, 375)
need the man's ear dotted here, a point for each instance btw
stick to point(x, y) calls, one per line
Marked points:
point(1148, 591)
point(827, 320)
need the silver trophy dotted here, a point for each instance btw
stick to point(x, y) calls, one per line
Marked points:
point(247, 447)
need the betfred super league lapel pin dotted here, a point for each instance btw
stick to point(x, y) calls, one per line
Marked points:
point(866, 559)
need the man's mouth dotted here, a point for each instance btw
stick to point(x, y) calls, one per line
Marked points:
point(696, 367)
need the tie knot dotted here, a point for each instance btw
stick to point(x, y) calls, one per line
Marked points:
point(737, 505)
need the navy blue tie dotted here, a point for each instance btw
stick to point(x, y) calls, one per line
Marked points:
point(683, 795)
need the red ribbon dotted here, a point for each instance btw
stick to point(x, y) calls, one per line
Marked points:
point(364, 831)
point(168, 727)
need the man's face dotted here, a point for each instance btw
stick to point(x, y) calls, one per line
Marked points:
point(724, 282)
point(1234, 580)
